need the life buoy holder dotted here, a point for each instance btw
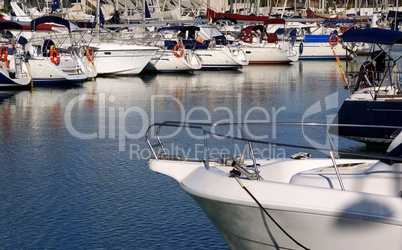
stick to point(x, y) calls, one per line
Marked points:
point(333, 40)
point(3, 53)
point(90, 54)
point(178, 50)
point(55, 57)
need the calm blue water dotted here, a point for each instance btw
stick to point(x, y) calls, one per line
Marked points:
point(73, 171)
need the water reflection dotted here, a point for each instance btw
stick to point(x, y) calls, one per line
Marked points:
point(270, 93)
point(260, 92)
point(53, 176)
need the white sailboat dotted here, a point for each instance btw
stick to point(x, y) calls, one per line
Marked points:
point(116, 58)
point(170, 57)
point(220, 52)
point(50, 60)
point(266, 48)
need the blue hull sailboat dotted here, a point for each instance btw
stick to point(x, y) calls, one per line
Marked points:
point(375, 88)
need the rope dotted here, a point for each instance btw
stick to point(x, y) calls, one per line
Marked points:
point(266, 212)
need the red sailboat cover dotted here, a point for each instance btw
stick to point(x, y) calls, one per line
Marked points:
point(239, 17)
point(246, 34)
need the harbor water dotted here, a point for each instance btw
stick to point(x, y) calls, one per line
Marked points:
point(74, 173)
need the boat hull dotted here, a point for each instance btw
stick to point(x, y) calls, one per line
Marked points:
point(69, 70)
point(222, 57)
point(6, 81)
point(268, 55)
point(317, 47)
point(312, 230)
point(320, 51)
point(303, 197)
point(369, 113)
point(15, 74)
point(121, 60)
point(167, 61)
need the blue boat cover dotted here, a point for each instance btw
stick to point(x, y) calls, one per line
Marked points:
point(49, 19)
point(179, 27)
point(341, 21)
point(377, 36)
point(176, 28)
point(10, 25)
point(223, 18)
point(316, 38)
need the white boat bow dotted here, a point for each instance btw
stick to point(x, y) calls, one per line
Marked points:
point(323, 203)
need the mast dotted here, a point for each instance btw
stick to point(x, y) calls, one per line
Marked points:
point(257, 7)
point(284, 8)
point(97, 18)
point(396, 16)
point(143, 10)
point(356, 7)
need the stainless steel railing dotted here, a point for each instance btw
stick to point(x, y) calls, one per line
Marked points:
point(206, 129)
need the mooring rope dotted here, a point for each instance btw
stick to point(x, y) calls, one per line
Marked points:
point(266, 212)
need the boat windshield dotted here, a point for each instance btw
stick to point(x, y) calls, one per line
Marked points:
point(209, 32)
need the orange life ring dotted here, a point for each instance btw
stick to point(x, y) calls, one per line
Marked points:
point(55, 57)
point(178, 50)
point(333, 40)
point(3, 53)
point(90, 54)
